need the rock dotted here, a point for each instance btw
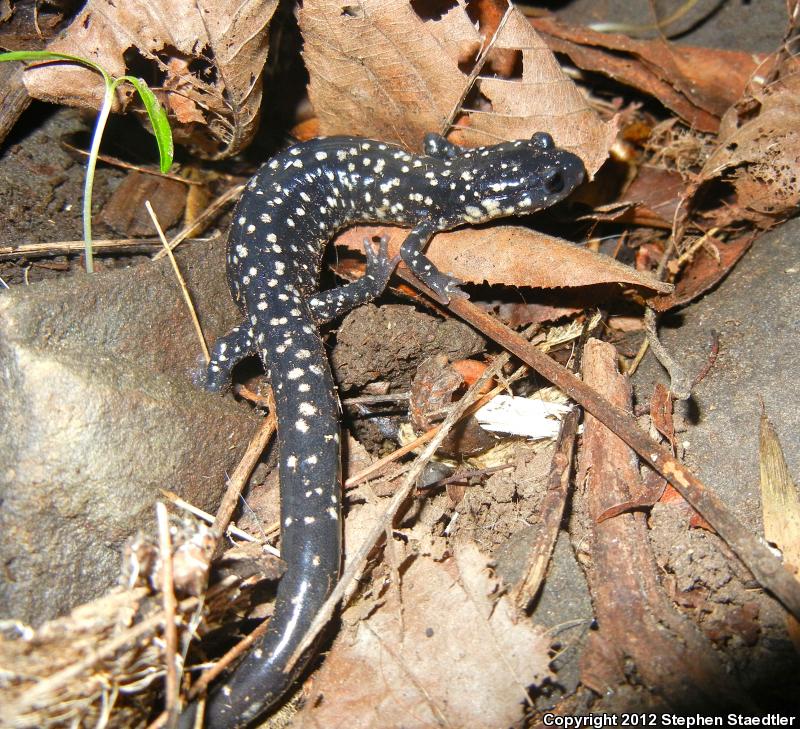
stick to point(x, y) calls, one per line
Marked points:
point(99, 414)
point(754, 312)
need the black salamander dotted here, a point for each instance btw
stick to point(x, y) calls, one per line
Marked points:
point(290, 210)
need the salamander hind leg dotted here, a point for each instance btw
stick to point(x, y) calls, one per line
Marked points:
point(226, 352)
point(328, 305)
point(441, 284)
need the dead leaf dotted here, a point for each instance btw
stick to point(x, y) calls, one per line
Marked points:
point(703, 274)
point(206, 57)
point(515, 257)
point(698, 84)
point(650, 200)
point(393, 70)
point(757, 163)
point(445, 651)
point(661, 412)
point(752, 176)
point(781, 508)
point(125, 212)
point(779, 497)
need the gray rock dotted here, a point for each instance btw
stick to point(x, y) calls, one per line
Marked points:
point(739, 26)
point(99, 413)
point(754, 311)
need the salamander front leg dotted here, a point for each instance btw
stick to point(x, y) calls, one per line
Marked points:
point(329, 305)
point(441, 284)
point(227, 351)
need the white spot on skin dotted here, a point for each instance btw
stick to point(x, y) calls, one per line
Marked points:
point(295, 374)
point(306, 408)
point(265, 218)
point(332, 513)
point(242, 220)
point(291, 461)
point(288, 521)
point(309, 519)
point(302, 354)
point(315, 560)
point(251, 228)
point(301, 425)
point(321, 156)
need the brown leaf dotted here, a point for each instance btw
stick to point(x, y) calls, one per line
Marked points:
point(661, 412)
point(393, 71)
point(125, 211)
point(698, 84)
point(779, 496)
point(703, 273)
point(650, 200)
point(515, 257)
point(449, 654)
point(758, 158)
point(752, 177)
point(207, 57)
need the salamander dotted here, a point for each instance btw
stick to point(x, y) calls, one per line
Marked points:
point(288, 213)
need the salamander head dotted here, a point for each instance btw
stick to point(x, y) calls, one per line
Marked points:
point(515, 178)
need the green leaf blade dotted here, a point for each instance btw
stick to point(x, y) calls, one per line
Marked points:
point(158, 119)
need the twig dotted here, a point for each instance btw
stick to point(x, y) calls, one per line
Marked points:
point(241, 473)
point(680, 384)
point(170, 631)
point(231, 529)
point(122, 164)
point(202, 683)
point(389, 397)
point(65, 247)
point(185, 291)
point(756, 556)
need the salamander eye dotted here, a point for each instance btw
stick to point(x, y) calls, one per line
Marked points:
point(553, 181)
point(543, 140)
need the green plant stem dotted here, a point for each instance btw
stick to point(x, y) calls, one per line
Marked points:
point(99, 128)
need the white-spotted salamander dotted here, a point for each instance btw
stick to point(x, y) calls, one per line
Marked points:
point(291, 209)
